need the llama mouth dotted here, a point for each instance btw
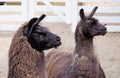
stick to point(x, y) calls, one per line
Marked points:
point(56, 45)
point(103, 33)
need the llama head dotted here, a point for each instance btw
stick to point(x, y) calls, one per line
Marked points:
point(90, 26)
point(39, 37)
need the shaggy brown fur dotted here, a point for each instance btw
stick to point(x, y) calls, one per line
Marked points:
point(83, 63)
point(26, 61)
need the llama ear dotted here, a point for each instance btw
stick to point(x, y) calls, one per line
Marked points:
point(82, 15)
point(33, 22)
point(27, 31)
point(93, 11)
point(40, 19)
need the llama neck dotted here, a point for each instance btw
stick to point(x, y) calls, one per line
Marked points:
point(85, 58)
point(25, 62)
point(84, 47)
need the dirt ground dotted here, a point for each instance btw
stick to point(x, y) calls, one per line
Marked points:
point(107, 48)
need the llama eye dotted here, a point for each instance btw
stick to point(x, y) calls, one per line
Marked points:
point(40, 32)
point(90, 22)
point(43, 33)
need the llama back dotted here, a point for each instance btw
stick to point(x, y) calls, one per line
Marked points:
point(59, 61)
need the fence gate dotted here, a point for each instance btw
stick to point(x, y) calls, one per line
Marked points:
point(11, 15)
point(15, 12)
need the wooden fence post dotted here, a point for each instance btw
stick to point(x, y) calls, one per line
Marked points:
point(49, 5)
point(24, 10)
point(68, 11)
point(74, 14)
point(31, 8)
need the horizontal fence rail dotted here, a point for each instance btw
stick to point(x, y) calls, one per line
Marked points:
point(16, 12)
point(12, 15)
point(108, 12)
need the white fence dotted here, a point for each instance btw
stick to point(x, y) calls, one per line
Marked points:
point(11, 16)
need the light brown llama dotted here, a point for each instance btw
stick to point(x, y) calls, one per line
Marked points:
point(83, 63)
point(26, 56)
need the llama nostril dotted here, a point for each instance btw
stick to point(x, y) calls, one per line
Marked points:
point(104, 29)
point(58, 38)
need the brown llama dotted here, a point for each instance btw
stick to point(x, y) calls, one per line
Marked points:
point(26, 56)
point(83, 63)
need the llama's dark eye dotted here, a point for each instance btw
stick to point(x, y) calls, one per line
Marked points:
point(43, 33)
point(40, 32)
point(90, 22)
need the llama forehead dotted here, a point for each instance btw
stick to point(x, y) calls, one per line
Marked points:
point(81, 23)
point(93, 19)
point(40, 28)
point(44, 28)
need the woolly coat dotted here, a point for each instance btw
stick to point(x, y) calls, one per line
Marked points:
point(24, 61)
